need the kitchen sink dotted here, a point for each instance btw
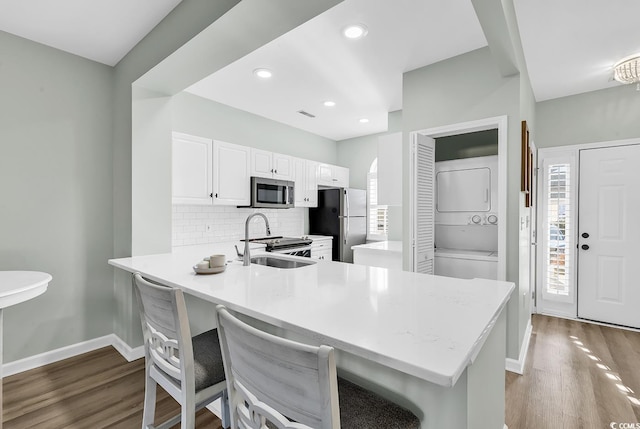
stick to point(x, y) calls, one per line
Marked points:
point(278, 262)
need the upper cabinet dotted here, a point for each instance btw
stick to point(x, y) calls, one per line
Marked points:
point(306, 180)
point(231, 174)
point(390, 170)
point(192, 169)
point(209, 172)
point(271, 165)
point(333, 176)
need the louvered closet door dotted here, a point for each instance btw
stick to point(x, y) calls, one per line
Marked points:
point(424, 158)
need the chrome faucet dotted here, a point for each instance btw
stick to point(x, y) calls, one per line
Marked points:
point(246, 257)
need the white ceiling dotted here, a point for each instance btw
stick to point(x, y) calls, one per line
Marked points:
point(314, 63)
point(569, 45)
point(101, 30)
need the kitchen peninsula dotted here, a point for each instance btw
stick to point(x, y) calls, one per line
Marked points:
point(435, 345)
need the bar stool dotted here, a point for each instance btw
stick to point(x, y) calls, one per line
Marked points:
point(278, 383)
point(189, 369)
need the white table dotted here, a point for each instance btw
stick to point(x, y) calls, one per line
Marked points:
point(17, 287)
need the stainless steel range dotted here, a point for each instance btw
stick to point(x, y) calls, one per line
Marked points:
point(295, 246)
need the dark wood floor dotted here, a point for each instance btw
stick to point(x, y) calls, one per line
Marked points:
point(94, 390)
point(578, 375)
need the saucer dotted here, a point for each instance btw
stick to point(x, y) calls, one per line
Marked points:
point(214, 270)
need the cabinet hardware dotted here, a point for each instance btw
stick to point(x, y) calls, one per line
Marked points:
point(211, 195)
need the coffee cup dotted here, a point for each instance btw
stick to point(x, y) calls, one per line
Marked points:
point(216, 261)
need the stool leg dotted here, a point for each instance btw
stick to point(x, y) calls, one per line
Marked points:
point(149, 401)
point(224, 405)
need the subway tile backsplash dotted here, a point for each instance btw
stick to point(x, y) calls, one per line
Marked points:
point(226, 223)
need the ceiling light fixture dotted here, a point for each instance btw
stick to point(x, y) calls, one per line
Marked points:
point(627, 70)
point(355, 31)
point(263, 73)
point(364, 120)
point(329, 103)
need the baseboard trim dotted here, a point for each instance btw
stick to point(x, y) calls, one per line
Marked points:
point(72, 350)
point(216, 408)
point(56, 355)
point(517, 366)
point(130, 354)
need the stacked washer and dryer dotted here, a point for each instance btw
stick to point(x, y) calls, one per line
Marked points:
point(466, 218)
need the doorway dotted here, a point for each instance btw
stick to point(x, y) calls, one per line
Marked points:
point(422, 183)
point(587, 251)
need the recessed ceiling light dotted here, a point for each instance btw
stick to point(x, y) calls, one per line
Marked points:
point(364, 120)
point(329, 103)
point(263, 73)
point(355, 31)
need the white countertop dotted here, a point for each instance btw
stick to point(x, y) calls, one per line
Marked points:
point(19, 286)
point(386, 246)
point(428, 326)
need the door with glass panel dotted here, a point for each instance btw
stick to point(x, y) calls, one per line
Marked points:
point(556, 233)
point(609, 235)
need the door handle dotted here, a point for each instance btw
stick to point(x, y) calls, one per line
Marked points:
point(585, 247)
point(585, 235)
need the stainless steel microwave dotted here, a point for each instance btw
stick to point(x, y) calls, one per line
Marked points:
point(271, 193)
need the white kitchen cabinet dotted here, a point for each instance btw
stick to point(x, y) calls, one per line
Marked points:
point(271, 165)
point(390, 169)
point(321, 247)
point(191, 169)
point(306, 180)
point(231, 174)
point(333, 176)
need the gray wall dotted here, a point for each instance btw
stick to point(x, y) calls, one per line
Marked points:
point(597, 116)
point(56, 185)
point(444, 94)
point(358, 153)
point(202, 117)
point(164, 61)
point(182, 24)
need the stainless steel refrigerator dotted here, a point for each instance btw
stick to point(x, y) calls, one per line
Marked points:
point(342, 214)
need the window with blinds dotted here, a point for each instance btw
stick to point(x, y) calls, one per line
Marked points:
point(558, 230)
point(378, 220)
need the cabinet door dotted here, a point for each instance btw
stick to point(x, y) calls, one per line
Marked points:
point(231, 174)
point(340, 176)
point(282, 166)
point(325, 174)
point(299, 180)
point(261, 165)
point(191, 169)
point(311, 183)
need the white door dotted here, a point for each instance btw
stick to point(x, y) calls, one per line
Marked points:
point(424, 149)
point(609, 234)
